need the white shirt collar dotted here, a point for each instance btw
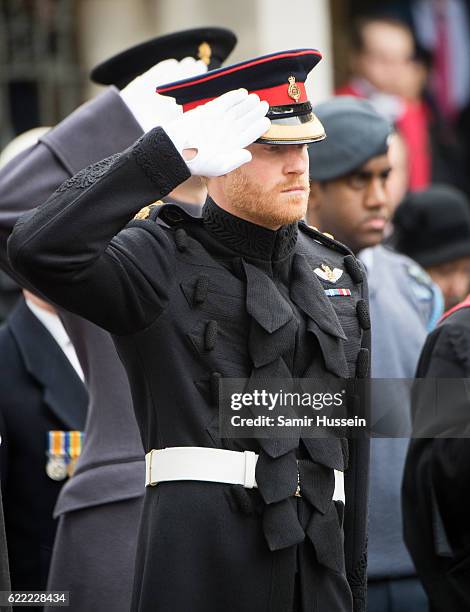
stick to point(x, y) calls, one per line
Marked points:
point(54, 326)
point(51, 322)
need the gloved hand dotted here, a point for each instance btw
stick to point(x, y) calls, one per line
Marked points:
point(149, 108)
point(218, 132)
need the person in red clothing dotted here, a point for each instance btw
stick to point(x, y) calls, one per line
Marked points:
point(385, 70)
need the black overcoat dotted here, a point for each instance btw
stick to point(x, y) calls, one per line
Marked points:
point(436, 498)
point(218, 296)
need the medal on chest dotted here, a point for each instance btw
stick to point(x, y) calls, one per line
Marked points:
point(56, 467)
point(63, 451)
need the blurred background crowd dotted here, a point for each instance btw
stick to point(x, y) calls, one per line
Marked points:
point(411, 61)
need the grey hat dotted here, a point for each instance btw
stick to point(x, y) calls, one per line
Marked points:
point(355, 133)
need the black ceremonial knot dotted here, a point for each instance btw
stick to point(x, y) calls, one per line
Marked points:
point(279, 481)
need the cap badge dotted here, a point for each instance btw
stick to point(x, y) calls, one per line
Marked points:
point(204, 53)
point(293, 90)
point(326, 273)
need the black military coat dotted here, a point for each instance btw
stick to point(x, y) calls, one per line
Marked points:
point(436, 499)
point(219, 297)
point(40, 392)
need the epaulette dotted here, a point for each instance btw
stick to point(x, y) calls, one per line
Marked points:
point(324, 238)
point(170, 214)
point(146, 211)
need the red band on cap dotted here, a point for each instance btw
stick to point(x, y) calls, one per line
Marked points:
point(275, 96)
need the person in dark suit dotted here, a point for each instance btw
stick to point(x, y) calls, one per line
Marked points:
point(41, 392)
point(436, 500)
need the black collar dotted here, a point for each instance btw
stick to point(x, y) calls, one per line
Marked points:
point(63, 391)
point(248, 239)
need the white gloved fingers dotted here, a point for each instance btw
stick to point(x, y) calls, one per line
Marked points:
point(202, 65)
point(160, 74)
point(226, 101)
point(236, 159)
point(166, 109)
point(169, 64)
point(254, 131)
point(211, 165)
point(187, 61)
point(232, 109)
point(199, 67)
point(219, 131)
point(252, 115)
point(245, 106)
point(189, 67)
point(246, 121)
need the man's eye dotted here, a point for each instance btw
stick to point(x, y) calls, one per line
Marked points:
point(358, 180)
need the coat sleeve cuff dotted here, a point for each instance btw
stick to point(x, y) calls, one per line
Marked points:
point(157, 156)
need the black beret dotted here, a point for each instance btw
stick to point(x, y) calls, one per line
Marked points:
point(355, 134)
point(212, 45)
point(433, 226)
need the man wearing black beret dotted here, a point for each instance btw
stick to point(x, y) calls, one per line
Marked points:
point(99, 508)
point(350, 199)
point(228, 523)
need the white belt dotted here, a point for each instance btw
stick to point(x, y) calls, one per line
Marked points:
point(211, 465)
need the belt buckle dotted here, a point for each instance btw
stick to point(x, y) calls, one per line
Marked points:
point(149, 469)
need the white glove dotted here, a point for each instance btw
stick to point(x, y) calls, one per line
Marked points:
point(149, 108)
point(219, 131)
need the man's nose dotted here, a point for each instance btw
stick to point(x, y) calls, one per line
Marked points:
point(296, 160)
point(377, 194)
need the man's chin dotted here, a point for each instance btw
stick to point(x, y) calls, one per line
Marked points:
point(372, 238)
point(293, 209)
point(359, 243)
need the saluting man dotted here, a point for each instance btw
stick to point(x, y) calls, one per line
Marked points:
point(230, 294)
